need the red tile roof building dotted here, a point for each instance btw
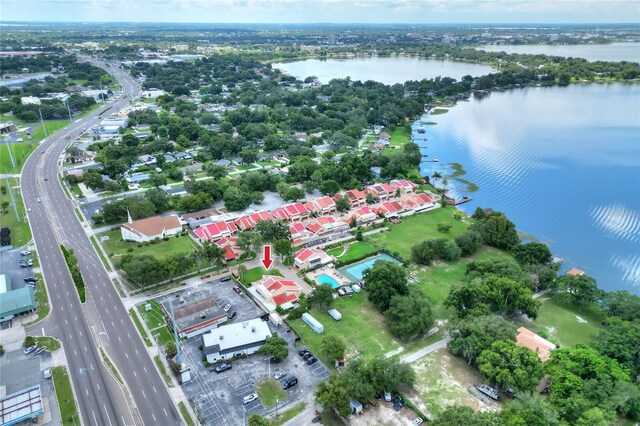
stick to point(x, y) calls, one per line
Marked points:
point(309, 257)
point(405, 186)
point(356, 198)
point(215, 231)
point(382, 191)
point(278, 291)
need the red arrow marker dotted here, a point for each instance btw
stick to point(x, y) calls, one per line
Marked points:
point(266, 257)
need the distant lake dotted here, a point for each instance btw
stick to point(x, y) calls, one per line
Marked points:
point(563, 163)
point(383, 69)
point(591, 52)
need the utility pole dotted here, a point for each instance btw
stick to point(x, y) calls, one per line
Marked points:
point(42, 121)
point(69, 109)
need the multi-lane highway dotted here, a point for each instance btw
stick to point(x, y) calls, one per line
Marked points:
point(102, 321)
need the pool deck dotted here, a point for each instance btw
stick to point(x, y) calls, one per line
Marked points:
point(331, 271)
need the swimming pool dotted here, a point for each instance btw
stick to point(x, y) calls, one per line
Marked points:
point(354, 271)
point(327, 279)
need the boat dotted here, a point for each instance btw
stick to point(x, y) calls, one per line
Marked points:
point(421, 129)
point(435, 160)
point(488, 390)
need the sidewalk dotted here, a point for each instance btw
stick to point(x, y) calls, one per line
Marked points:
point(442, 343)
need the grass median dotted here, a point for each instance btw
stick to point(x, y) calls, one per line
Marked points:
point(64, 394)
point(185, 414)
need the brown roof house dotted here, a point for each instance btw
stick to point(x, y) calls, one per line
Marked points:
point(148, 229)
point(541, 346)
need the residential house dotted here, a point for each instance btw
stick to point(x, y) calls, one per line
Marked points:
point(307, 258)
point(149, 229)
point(137, 178)
point(356, 198)
point(382, 191)
point(324, 226)
point(183, 156)
point(300, 234)
point(323, 205)
point(148, 160)
point(223, 163)
point(216, 231)
point(231, 250)
point(296, 211)
point(423, 201)
point(541, 346)
point(278, 291)
point(405, 186)
point(364, 216)
point(168, 158)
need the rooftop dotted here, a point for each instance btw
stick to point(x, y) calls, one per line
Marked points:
point(193, 307)
point(236, 335)
point(541, 346)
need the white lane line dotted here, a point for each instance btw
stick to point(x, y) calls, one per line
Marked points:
point(98, 385)
point(94, 417)
point(154, 417)
point(134, 373)
point(144, 394)
point(165, 412)
point(154, 389)
point(87, 391)
point(108, 417)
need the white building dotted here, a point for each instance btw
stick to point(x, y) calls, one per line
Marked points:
point(149, 229)
point(235, 339)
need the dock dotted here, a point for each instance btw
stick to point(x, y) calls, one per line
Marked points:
point(459, 201)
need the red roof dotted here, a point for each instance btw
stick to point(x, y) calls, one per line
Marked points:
point(281, 213)
point(260, 216)
point(355, 194)
point(422, 199)
point(325, 202)
point(273, 283)
point(296, 209)
point(403, 183)
point(305, 253)
point(311, 206)
point(281, 299)
point(229, 253)
point(296, 228)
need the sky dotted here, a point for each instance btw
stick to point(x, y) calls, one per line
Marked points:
point(324, 11)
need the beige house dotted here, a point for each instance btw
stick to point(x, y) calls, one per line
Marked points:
point(148, 229)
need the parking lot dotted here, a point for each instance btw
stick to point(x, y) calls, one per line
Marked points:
point(19, 371)
point(218, 397)
point(10, 266)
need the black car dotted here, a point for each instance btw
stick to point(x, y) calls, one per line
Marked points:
point(223, 367)
point(225, 279)
point(303, 352)
point(307, 356)
point(31, 280)
point(312, 360)
point(289, 382)
point(232, 315)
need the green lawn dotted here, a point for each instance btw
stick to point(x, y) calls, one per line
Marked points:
point(20, 231)
point(96, 246)
point(163, 371)
point(19, 151)
point(49, 343)
point(12, 118)
point(357, 250)
point(51, 126)
point(443, 379)
point(41, 299)
point(436, 281)
point(255, 274)
point(269, 391)
point(417, 228)
point(141, 330)
point(289, 414)
point(361, 326)
point(565, 324)
point(399, 136)
point(156, 322)
point(115, 246)
point(185, 414)
point(68, 410)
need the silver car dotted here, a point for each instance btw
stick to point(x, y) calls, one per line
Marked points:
point(249, 398)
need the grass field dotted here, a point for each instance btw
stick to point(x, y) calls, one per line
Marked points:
point(115, 246)
point(141, 330)
point(185, 414)
point(399, 136)
point(565, 324)
point(436, 281)
point(362, 327)
point(357, 250)
point(417, 228)
point(289, 414)
point(49, 343)
point(110, 366)
point(443, 380)
point(19, 151)
point(51, 126)
point(156, 322)
point(64, 394)
point(269, 391)
point(255, 274)
point(20, 231)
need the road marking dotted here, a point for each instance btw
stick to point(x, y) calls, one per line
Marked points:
point(134, 373)
point(91, 367)
point(108, 417)
point(98, 385)
point(85, 348)
point(144, 394)
point(87, 391)
point(154, 389)
point(144, 368)
point(154, 417)
point(94, 417)
point(127, 355)
point(136, 352)
point(165, 412)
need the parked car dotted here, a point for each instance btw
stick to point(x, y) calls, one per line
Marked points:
point(39, 351)
point(29, 349)
point(289, 382)
point(236, 289)
point(223, 367)
point(25, 252)
point(249, 398)
point(227, 307)
point(30, 280)
point(225, 279)
point(307, 356)
point(387, 396)
point(312, 360)
point(232, 315)
point(302, 351)
point(38, 199)
point(47, 373)
point(279, 375)
point(417, 421)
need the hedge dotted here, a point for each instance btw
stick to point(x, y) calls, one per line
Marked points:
point(74, 269)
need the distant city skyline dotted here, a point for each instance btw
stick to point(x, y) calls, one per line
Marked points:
point(324, 11)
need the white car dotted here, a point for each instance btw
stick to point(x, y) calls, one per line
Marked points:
point(38, 199)
point(47, 373)
point(387, 396)
point(417, 421)
point(249, 398)
point(25, 252)
point(279, 375)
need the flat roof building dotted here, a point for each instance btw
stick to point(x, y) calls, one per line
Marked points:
point(21, 406)
point(235, 339)
point(196, 312)
point(16, 302)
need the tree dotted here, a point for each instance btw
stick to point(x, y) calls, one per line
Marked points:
point(257, 420)
point(237, 199)
point(212, 252)
point(409, 316)
point(270, 231)
point(242, 270)
point(529, 409)
point(594, 417)
point(469, 242)
point(321, 296)
point(444, 227)
point(497, 231)
point(29, 341)
point(472, 335)
point(247, 241)
point(333, 347)
point(156, 179)
point(622, 304)
point(329, 187)
point(511, 366)
point(276, 347)
point(332, 394)
point(342, 204)
point(462, 415)
point(504, 267)
point(177, 264)
point(620, 340)
point(580, 290)
point(283, 247)
point(143, 270)
point(532, 254)
point(391, 374)
point(383, 281)
point(170, 350)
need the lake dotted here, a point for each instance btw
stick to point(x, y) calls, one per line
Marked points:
point(563, 163)
point(591, 52)
point(383, 69)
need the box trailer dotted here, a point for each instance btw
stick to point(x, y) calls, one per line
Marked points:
point(335, 314)
point(355, 288)
point(313, 323)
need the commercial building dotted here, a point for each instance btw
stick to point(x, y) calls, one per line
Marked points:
point(150, 228)
point(21, 406)
point(195, 312)
point(235, 339)
point(16, 302)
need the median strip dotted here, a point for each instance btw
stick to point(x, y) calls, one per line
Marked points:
point(64, 394)
point(109, 364)
point(74, 269)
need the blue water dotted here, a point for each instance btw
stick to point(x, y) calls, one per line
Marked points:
point(563, 163)
point(327, 279)
point(354, 271)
